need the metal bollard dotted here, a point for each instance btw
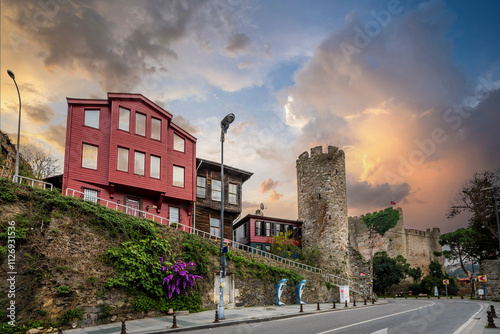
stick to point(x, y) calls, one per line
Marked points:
point(60, 331)
point(318, 309)
point(461, 297)
point(428, 297)
point(439, 297)
point(493, 313)
point(216, 316)
point(174, 322)
point(334, 303)
point(301, 309)
point(365, 302)
point(451, 297)
point(416, 297)
point(406, 297)
point(354, 302)
point(491, 323)
point(373, 301)
point(394, 296)
point(124, 329)
point(346, 304)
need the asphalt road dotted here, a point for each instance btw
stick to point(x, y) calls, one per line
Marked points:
point(398, 317)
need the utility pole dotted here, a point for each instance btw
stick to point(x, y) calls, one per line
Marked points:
point(371, 261)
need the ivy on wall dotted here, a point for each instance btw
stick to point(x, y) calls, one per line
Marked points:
point(382, 220)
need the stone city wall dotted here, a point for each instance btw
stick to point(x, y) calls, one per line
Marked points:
point(491, 268)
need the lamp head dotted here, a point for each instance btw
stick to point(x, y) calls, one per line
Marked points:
point(11, 74)
point(226, 121)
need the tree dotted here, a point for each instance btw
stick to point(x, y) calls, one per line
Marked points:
point(482, 207)
point(42, 163)
point(284, 245)
point(466, 245)
point(387, 271)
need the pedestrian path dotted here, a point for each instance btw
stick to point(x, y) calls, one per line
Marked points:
point(206, 319)
point(480, 321)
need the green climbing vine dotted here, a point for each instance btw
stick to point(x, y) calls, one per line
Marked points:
point(382, 220)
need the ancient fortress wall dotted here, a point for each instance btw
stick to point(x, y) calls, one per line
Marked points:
point(322, 205)
point(416, 246)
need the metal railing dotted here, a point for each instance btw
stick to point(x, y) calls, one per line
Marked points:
point(190, 229)
point(31, 182)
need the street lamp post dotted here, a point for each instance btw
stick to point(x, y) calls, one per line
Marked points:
point(496, 210)
point(11, 74)
point(224, 125)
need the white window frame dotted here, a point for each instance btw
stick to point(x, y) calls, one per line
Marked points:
point(179, 143)
point(174, 213)
point(138, 163)
point(88, 161)
point(155, 161)
point(140, 119)
point(200, 188)
point(153, 120)
point(90, 195)
point(124, 119)
point(176, 173)
point(216, 193)
point(215, 229)
point(89, 120)
point(233, 196)
point(118, 159)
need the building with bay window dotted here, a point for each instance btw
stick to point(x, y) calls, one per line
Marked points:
point(126, 149)
point(209, 196)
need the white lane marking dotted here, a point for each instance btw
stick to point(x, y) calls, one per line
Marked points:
point(382, 331)
point(458, 331)
point(370, 320)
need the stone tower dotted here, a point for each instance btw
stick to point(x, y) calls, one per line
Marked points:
point(322, 205)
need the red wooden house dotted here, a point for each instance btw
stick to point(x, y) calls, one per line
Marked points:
point(257, 231)
point(126, 149)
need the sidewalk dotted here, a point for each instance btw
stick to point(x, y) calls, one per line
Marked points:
point(478, 326)
point(205, 319)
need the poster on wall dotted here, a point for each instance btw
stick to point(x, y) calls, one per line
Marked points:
point(344, 293)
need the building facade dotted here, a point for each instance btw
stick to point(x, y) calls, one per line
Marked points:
point(208, 197)
point(127, 150)
point(257, 231)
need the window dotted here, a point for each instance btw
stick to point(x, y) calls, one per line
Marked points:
point(92, 118)
point(201, 186)
point(139, 163)
point(178, 180)
point(90, 195)
point(233, 193)
point(122, 163)
point(89, 156)
point(216, 190)
point(214, 226)
point(173, 216)
point(258, 246)
point(275, 229)
point(154, 170)
point(140, 124)
point(267, 248)
point(124, 119)
point(267, 229)
point(245, 230)
point(178, 143)
point(258, 227)
point(155, 128)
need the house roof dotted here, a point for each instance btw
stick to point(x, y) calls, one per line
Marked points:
point(271, 219)
point(244, 174)
point(131, 96)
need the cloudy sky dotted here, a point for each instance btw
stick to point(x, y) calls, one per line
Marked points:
point(410, 90)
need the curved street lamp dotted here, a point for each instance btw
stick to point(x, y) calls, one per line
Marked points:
point(11, 74)
point(224, 125)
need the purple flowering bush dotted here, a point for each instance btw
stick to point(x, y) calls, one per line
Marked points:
point(179, 277)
